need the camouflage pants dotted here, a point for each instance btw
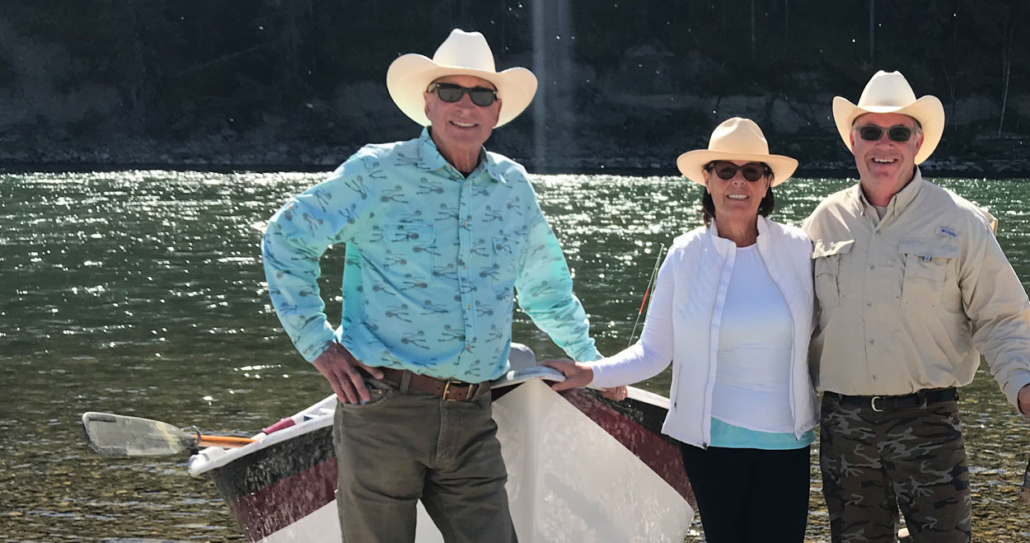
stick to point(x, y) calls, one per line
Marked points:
point(875, 462)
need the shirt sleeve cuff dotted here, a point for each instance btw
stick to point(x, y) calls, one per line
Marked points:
point(315, 346)
point(588, 354)
point(1016, 382)
point(601, 380)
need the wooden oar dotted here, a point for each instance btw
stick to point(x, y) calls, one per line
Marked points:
point(118, 435)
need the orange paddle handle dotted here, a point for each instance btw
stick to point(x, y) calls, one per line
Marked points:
point(227, 442)
point(644, 301)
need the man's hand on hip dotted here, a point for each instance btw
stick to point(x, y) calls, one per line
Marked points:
point(340, 368)
point(1023, 399)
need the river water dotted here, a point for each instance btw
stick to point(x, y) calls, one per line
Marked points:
point(141, 293)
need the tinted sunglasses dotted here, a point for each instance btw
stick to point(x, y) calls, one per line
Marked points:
point(898, 133)
point(450, 93)
point(752, 171)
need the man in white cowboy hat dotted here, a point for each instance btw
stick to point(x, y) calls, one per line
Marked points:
point(912, 287)
point(439, 234)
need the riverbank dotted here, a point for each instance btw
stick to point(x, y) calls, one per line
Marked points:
point(327, 158)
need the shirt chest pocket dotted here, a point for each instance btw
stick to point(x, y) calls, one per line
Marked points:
point(409, 252)
point(504, 255)
point(826, 257)
point(926, 268)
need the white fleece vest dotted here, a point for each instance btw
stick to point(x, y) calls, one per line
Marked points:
point(702, 263)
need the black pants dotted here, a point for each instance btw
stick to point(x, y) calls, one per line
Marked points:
point(750, 495)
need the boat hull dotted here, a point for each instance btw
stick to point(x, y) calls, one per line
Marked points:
point(580, 468)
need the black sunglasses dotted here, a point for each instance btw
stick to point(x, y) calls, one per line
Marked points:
point(752, 171)
point(871, 132)
point(450, 93)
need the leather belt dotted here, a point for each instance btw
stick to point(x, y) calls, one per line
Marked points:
point(907, 401)
point(445, 389)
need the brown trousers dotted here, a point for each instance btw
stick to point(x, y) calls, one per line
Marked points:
point(403, 447)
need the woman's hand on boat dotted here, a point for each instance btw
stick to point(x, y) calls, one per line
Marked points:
point(340, 368)
point(616, 393)
point(1023, 400)
point(576, 374)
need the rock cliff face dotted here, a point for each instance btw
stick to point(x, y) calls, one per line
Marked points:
point(301, 84)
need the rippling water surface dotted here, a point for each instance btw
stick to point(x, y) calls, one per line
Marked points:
point(142, 293)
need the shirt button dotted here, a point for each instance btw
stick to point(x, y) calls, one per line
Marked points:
point(873, 267)
point(465, 223)
point(874, 377)
point(468, 306)
point(869, 304)
point(872, 342)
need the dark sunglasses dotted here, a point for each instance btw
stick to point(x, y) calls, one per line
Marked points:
point(450, 93)
point(752, 171)
point(871, 132)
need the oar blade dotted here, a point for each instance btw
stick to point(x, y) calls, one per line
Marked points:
point(119, 435)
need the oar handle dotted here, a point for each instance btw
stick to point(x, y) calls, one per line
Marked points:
point(227, 442)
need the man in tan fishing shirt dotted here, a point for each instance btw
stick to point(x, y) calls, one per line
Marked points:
point(912, 287)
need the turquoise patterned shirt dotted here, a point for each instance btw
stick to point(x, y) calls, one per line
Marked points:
point(432, 264)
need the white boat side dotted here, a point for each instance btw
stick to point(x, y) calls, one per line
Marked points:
point(579, 469)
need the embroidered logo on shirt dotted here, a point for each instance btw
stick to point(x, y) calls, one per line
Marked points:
point(945, 231)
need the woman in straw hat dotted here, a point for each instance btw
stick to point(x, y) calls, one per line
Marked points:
point(732, 312)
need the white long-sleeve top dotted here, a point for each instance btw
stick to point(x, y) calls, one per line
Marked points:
point(756, 339)
point(684, 320)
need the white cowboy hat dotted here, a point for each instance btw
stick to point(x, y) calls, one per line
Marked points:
point(891, 93)
point(736, 139)
point(463, 53)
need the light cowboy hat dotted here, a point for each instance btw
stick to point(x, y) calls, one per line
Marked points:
point(463, 53)
point(736, 139)
point(891, 93)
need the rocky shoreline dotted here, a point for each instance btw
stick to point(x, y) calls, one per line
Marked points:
point(219, 155)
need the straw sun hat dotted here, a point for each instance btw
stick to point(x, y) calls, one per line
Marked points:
point(891, 93)
point(736, 139)
point(463, 53)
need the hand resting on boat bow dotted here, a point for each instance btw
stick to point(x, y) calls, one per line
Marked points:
point(1023, 400)
point(578, 375)
point(340, 368)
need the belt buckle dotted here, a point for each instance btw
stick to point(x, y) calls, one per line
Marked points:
point(872, 403)
point(447, 388)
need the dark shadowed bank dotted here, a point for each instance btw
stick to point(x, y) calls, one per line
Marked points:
point(624, 85)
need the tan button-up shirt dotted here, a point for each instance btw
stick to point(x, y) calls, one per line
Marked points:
point(909, 301)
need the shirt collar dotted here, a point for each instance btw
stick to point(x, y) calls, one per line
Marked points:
point(898, 202)
point(723, 245)
point(908, 194)
point(429, 156)
point(431, 159)
point(763, 235)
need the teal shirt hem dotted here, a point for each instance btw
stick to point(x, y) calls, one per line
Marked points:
point(734, 437)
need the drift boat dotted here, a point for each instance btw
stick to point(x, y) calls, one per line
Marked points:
point(580, 468)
